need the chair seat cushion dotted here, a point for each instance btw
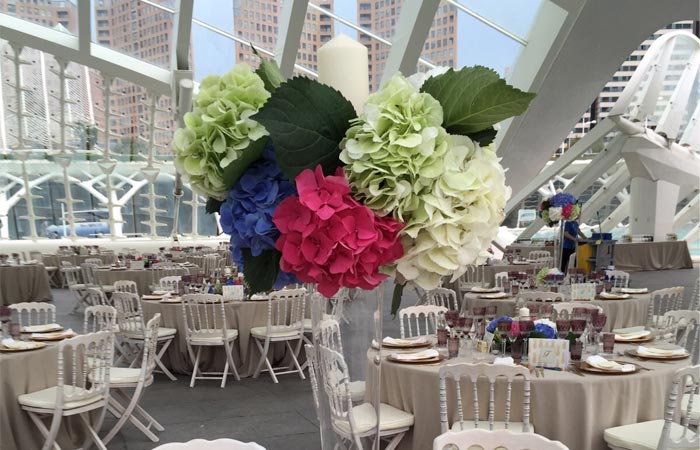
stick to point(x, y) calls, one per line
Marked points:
point(212, 336)
point(695, 412)
point(357, 390)
point(276, 332)
point(46, 398)
point(162, 332)
point(107, 288)
point(308, 327)
point(640, 436)
point(366, 418)
point(515, 427)
point(122, 375)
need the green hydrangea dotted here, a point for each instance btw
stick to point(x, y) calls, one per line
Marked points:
point(395, 150)
point(219, 128)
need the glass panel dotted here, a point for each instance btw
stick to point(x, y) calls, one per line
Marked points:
point(215, 54)
point(319, 28)
point(255, 21)
point(515, 16)
point(61, 15)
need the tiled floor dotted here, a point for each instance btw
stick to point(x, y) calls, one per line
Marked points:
point(282, 416)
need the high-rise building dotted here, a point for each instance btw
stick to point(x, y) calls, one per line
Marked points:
point(381, 17)
point(256, 21)
point(44, 12)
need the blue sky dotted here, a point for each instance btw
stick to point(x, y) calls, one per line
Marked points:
point(477, 43)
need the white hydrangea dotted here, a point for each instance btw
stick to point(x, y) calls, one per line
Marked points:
point(555, 214)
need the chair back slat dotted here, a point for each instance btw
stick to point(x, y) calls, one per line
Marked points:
point(169, 283)
point(148, 363)
point(663, 301)
point(686, 380)
point(620, 279)
point(442, 297)
point(99, 318)
point(473, 276)
point(499, 279)
point(129, 316)
point(87, 359)
point(126, 286)
point(285, 310)
point(72, 275)
point(95, 296)
point(329, 334)
point(313, 376)
point(89, 272)
point(412, 316)
point(204, 315)
point(34, 313)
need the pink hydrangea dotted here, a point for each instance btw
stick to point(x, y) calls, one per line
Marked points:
point(328, 237)
point(566, 211)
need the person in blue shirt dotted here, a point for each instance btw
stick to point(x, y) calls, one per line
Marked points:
point(571, 235)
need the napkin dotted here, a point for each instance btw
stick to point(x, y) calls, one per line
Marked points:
point(41, 328)
point(258, 297)
point(425, 354)
point(68, 332)
point(613, 296)
point(495, 295)
point(632, 336)
point(17, 345)
point(395, 341)
point(628, 330)
point(634, 290)
point(483, 290)
point(507, 361)
point(641, 350)
point(602, 363)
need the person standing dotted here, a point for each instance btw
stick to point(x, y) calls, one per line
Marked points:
point(571, 236)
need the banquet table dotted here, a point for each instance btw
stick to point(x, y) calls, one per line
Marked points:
point(240, 315)
point(143, 278)
point(24, 283)
point(564, 406)
point(526, 249)
point(491, 270)
point(621, 313)
point(637, 256)
point(51, 260)
point(22, 373)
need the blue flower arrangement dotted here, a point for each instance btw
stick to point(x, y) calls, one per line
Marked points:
point(493, 325)
point(544, 331)
point(246, 215)
point(562, 199)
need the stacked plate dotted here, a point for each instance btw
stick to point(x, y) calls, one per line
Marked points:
point(633, 335)
point(422, 357)
point(634, 290)
point(390, 342)
point(598, 364)
point(484, 290)
point(11, 345)
point(671, 353)
point(494, 296)
point(53, 336)
point(613, 296)
point(46, 328)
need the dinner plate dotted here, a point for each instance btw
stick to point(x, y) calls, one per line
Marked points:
point(118, 268)
point(152, 297)
point(520, 263)
point(495, 296)
point(171, 300)
point(259, 298)
point(649, 337)
point(634, 290)
point(585, 367)
point(432, 360)
point(42, 328)
point(483, 290)
point(610, 296)
point(57, 336)
point(633, 352)
point(412, 345)
point(35, 346)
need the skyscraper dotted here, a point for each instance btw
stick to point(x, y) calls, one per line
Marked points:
point(381, 17)
point(256, 21)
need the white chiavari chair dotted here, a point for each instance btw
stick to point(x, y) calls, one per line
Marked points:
point(204, 316)
point(285, 323)
point(494, 440)
point(695, 299)
point(566, 309)
point(442, 297)
point(169, 283)
point(338, 302)
point(582, 291)
point(138, 379)
point(329, 336)
point(351, 422)
point(472, 277)
point(534, 255)
point(52, 271)
point(132, 330)
point(72, 276)
point(99, 318)
point(74, 394)
point(663, 301)
point(211, 263)
point(662, 434)
point(34, 313)
point(89, 273)
point(500, 279)
point(95, 296)
point(411, 316)
point(471, 374)
point(96, 261)
point(684, 326)
point(314, 376)
point(619, 278)
point(219, 444)
point(125, 286)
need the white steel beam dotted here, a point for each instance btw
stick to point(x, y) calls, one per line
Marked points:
point(690, 211)
point(670, 120)
point(84, 25)
point(409, 36)
point(182, 33)
point(612, 186)
point(291, 24)
point(616, 217)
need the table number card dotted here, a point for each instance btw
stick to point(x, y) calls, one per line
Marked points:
point(549, 352)
point(137, 265)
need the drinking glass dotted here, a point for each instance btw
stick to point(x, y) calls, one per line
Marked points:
point(599, 288)
point(563, 327)
point(608, 343)
point(490, 312)
point(578, 326)
point(451, 316)
point(576, 350)
point(514, 288)
point(15, 332)
point(516, 350)
point(452, 346)
point(547, 311)
point(526, 327)
point(504, 332)
point(598, 321)
point(534, 310)
point(479, 313)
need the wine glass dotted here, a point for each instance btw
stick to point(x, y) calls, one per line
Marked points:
point(547, 310)
point(563, 326)
point(479, 313)
point(490, 312)
point(526, 327)
point(504, 332)
point(598, 320)
point(578, 326)
point(451, 316)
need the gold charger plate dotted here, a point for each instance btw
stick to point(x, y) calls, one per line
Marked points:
point(58, 336)
point(585, 367)
point(494, 297)
point(412, 345)
point(634, 353)
point(152, 297)
point(433, 360)
point(38, 345)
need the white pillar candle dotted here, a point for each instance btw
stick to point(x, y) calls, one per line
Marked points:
point(524, 312)
point(342, 64)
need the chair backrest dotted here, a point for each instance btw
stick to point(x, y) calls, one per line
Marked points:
point(685, 380)
point(204, 315)
point(582, 291)
point(211, 263)
point(36, 256)
point(126, 286)
point(663, 301)
point(96, 261)
point(473, 276)
point(150, 344)
point(620, 279)
point(129, 316)
point(83, 363)
point(412, 315)
point(169, 283)
point(537, 254)
point(472, 372)
point(34, 313)
point(89, 272)
point(95, 296)
point(313, 376)
point(336, 383)
point(499, 279)
point(695, 299)
point(99, 318)
point(329, 334)
point(165, 265)
point(494, 440)
point(338, 303)
point(219, 444)
point(568, 307)
point(72, 275)
point(685, 324)
point(285, 310)
point(538, 296)
point(442, 297)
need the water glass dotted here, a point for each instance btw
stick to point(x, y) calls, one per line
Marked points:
point(15, 330)
point(453, 347)
point(563, 326)
point(441, 337)
point(608, 343)
point(576, 350)
point(516, 350)
point(490, 312)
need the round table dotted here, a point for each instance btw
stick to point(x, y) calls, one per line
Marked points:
point(143, 278)
point(24, 283)
point(22, 373)
point(564, 406)
point(239, 315)
point(621, 313)
point(491, 270)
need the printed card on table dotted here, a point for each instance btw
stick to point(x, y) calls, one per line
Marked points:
point(549, 352)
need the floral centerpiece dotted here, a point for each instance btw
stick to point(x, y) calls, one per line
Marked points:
point(311, 190)
point(559, 206)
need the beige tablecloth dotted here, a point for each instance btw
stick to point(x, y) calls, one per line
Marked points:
point(28, 283)
point(526, 249)
point(638, 256)
point(76, 260)
point(621, 313)
point(239, 315)
point(566, 407)
point(143, 278)
point(22, 373)
point(491, 271)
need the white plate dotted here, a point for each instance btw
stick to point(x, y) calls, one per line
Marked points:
point(42, 328)
point(634, 290)
point(496, 295)
point(29, 346)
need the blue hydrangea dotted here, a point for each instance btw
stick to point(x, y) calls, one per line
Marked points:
point(562, 199)
point(546, 330)
point(494, 323)
point(246, 215)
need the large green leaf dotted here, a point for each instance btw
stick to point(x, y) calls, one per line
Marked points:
point(233, 171)
point(269, 71)
point(213, 205)
point(306, 121)
point(484, 137)
point(475, 98)
point(261, 271)
point(396, 298)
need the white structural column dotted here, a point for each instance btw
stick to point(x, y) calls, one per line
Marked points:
point(411, 31)
point(653, 206)
point(291, 24)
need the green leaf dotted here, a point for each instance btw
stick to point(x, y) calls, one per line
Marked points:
point(475, 98)
point(269, 71)
point(213, 205)
point(483, 137)
point(235, 169)
point(306, 121)
point(396, 298)
point(261, 271)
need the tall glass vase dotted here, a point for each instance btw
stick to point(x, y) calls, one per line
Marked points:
point(559, 244)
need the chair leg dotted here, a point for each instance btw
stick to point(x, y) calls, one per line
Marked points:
point(264, 359)
point(50, 436)
point(93, 434)
point(149, 418)
point(295, 361)
point(195, 369)
point(229, 356)
point(160, 364)
point(395, 441)
point(127, 413)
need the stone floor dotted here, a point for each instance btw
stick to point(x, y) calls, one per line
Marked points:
point(282, 416)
